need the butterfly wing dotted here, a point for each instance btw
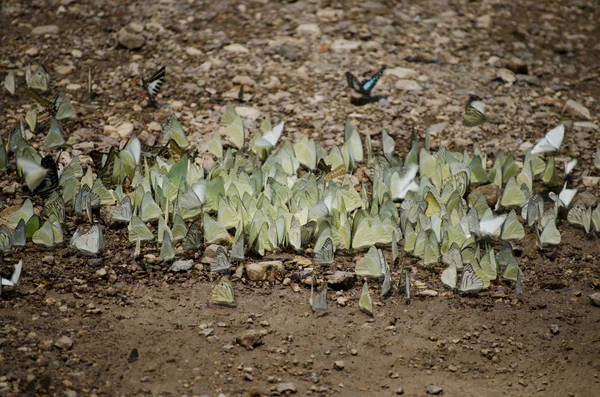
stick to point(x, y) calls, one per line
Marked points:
point(154, 83)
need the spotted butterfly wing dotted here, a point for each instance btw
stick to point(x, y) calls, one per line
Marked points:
point(154, 84)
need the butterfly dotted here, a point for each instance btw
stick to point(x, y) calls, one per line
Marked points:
point(365, 303)
point(14, 279)
point(474, 113)
point(222, 293)
point(59, 107)
point(318, 298)
point(41, 179)
point(364, 87)
point(91, 242)
point(37, 79)
point(220, 262)
point(324, 256)
point(9, 82)
point(154, 84)
point(551, 142)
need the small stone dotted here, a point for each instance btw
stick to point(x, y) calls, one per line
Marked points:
point(70, 393)
point(354, 352)
point(309, 29)
point(585, 126)
point(110, 130)
point(76, 53)
point(73, 87)
point(595, 299)
point(408, 85)
point(286, 387)
point(248, 112)
point(130, 40)
point(136, 27)
point(64, 343)
point(339, 365)
point(244, 80)
point(345, 45)
point(434, 390)
point(437, 129)
point(341, 280)
point(228, 347)
point(206, 331)
point(260, 271)
point(577, 109)
point(401, 73)
point(428, 292)
point(48, 259)
point(32, 52)
point(180, 266)
point(46, 29)
point(554, 329)
point(125, 129)
point(342, 301)
point(250, 339)
point(587, 199)
point(400, 391)
point(452, 368)
point(154, 126)
point(236, 48)
point(506, 75)
point(484, 22)
point(490, 192)
point(193, 51)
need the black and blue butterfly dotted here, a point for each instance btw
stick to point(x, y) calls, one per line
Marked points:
point(364, 87)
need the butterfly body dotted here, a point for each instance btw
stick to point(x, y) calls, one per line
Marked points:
point(365, 86)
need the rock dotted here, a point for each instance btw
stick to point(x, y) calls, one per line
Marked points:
point(339, 365)
point(452, 368)
point(206, 332)
point(595, 299)
point(260, 271)
point(585, 126)
point(244, 80)
point(490, 192)
point(180, 266)
point(288, 51)
point(400, 391)
point(48, 259)
point(46, 29)
point(577, 109)
point(64, 69)
point(130, 40)
point(345, 45)
point(73, 87)
point(32, 52)
point(248, 112)
point(125, 129)
point(309, 29)
point(250, 339)
point(342, 301)
point(64, 343)
point(193, 51)
point(437, 129)
point(330, 14)
point(236, 48)
point(401, 73)
point(408, 85)
point(227, 348)
point(428, 292)
point(341, 280)
point(434, 390)
point(517, 65)
point(286, 387)
point(506, 75)
point(70, 393)
point(525, 146)
point(76, 53)
point(586, 198)
point(484, 22)
point(590, 181)
point(136, 27)
point(554, 329)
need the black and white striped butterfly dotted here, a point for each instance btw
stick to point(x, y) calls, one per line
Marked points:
point(154, 84)
point(220, 262)
point(470, 282)
point(364, 87)
point(325, 255)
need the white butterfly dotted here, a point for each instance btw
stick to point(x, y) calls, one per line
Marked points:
point(14, 279)
point(270, 138)
point(551, 142)
point(400, 186)
point(91, 242)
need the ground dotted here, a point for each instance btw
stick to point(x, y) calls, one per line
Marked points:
point(491, 345)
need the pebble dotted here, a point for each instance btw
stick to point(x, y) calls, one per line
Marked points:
point(428, 292)
point(345, 45)
point(206, 331)
point(46, 29)
point(339, 365)
point(260, 271)
point(342, 301)
point(577, 109)
point(48, 259)
point(586, 198)
point(354, 352)
point(401, 73)
point(434, 390)
point(64, 343)
point(250, 339)
point(238, 48)
point(408, 85)
point(341, 280)
point(228, 347)
point(73, 87)
point(286, 387)
point(247, 112)
point(436, 129)
point(32, 51)
point(179, 266)
point(452, 368)
point(193, 51)
point(400, 391)
point(554, 329)
point(136, 27)
point(309, 29)
point(125, 129)
point(131, 41)
point(595, 299)
point(76, 53)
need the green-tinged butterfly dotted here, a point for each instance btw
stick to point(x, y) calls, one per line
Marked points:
point(474, 113)
point(365, 303)
point(222, 293)
point(167, 252)
point(324, 256)
point(220, 262)
point(37, 79)
point(91, 243)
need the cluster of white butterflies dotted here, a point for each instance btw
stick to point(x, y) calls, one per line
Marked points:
point(255, 197)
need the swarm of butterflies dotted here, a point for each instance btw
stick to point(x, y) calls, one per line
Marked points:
point(263, 195)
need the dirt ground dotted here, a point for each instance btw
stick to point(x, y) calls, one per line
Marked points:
point(491, 345)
